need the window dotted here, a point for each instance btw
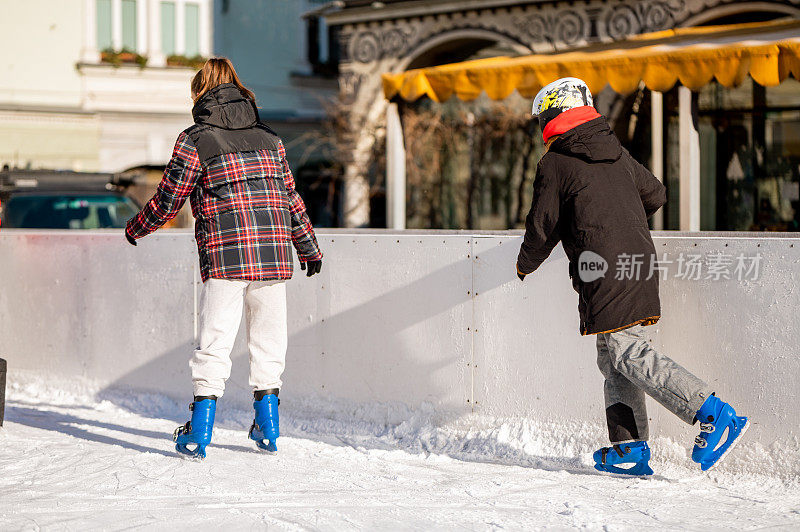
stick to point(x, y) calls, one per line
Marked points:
point(171, 43)
point(111, 13)
point(168, 28)
point(124, 26)
point(192, 30)
point(129, 25)
point(750, 169)
point(68, 211)
point(321, 42)
point(104, 39)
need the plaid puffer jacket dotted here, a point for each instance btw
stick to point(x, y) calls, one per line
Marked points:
point(242, 192)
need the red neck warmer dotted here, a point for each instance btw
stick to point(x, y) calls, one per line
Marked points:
point(569, 119)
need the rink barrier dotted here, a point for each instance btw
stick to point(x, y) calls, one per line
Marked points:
point(408, 320)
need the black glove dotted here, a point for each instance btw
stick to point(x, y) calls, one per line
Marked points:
point(520, 274)
point(130, 239)
point(314, 266)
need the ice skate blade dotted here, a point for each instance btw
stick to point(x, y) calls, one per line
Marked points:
point(638, 470)
point(733, 445)
point(197, 454)
point(266, 446)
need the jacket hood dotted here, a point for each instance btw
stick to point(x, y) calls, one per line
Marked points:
point(226, 107)
point(593, 142)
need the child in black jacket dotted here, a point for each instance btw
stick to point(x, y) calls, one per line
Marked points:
point(592, 196)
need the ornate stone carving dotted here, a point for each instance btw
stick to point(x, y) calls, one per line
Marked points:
point(367, 46)
point(343, 42)
point(625, 19)
point(349, 86)
point(566, 27)
point(541, 26)
point(395, 41)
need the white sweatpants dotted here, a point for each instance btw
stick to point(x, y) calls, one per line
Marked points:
point(221, 304)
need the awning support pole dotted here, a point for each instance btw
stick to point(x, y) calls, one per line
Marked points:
point(657, 143)
point(689, 163)
point(395, 170)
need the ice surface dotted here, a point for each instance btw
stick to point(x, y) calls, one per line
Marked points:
point(83, 460)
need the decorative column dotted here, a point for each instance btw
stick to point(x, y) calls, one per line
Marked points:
point(657, 145)
point(689, 162)
point(395, 170)
point(142, 8)
point(356, 192)
point(155, 52)
point(206, 29)
point(116, 24)
point(90, 54)
point(180, 27)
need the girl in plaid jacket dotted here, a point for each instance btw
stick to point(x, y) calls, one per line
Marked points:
point(233, 169)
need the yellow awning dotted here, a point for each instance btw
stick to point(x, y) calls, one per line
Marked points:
point(768, 52)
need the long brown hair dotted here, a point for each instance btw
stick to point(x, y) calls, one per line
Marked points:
point(216, 71)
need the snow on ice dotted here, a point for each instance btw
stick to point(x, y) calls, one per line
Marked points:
point(83, 460)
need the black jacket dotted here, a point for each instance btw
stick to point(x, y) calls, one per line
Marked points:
point(226, 121)
point(591, 195)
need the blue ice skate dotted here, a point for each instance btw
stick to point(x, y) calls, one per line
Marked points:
point(197, 431)
point(265, 431)
point(717, 419)
point(636, 453)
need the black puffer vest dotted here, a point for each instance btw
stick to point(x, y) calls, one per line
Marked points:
point(227, 122)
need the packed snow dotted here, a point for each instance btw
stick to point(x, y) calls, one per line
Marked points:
point(89, 460)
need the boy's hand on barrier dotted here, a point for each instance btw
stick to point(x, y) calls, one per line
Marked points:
point(130, 239)
point(520, 274)
point(314, 266)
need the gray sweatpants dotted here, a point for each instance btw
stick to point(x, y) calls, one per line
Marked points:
point(632, 368)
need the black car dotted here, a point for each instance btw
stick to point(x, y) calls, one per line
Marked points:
point(46, 199)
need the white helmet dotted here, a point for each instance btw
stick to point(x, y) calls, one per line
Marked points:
point(559, 96)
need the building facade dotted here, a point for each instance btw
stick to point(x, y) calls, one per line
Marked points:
point(103, 85)
point(283, 56)
point(393, 36)
point(97, 85)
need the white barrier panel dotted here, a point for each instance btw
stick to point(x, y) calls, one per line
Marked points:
point(77, 304)
point(409, 318)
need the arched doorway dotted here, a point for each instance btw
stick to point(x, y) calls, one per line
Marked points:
point(365, 191)
point(461, 45)
point(447, 190)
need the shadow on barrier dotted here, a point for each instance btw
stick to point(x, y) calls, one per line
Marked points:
point(732, 318)
point(411, 304)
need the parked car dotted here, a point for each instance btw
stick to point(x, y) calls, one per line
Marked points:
point(47, 199)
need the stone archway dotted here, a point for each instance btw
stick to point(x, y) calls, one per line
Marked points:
point(367, 117)
point(466, 41)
